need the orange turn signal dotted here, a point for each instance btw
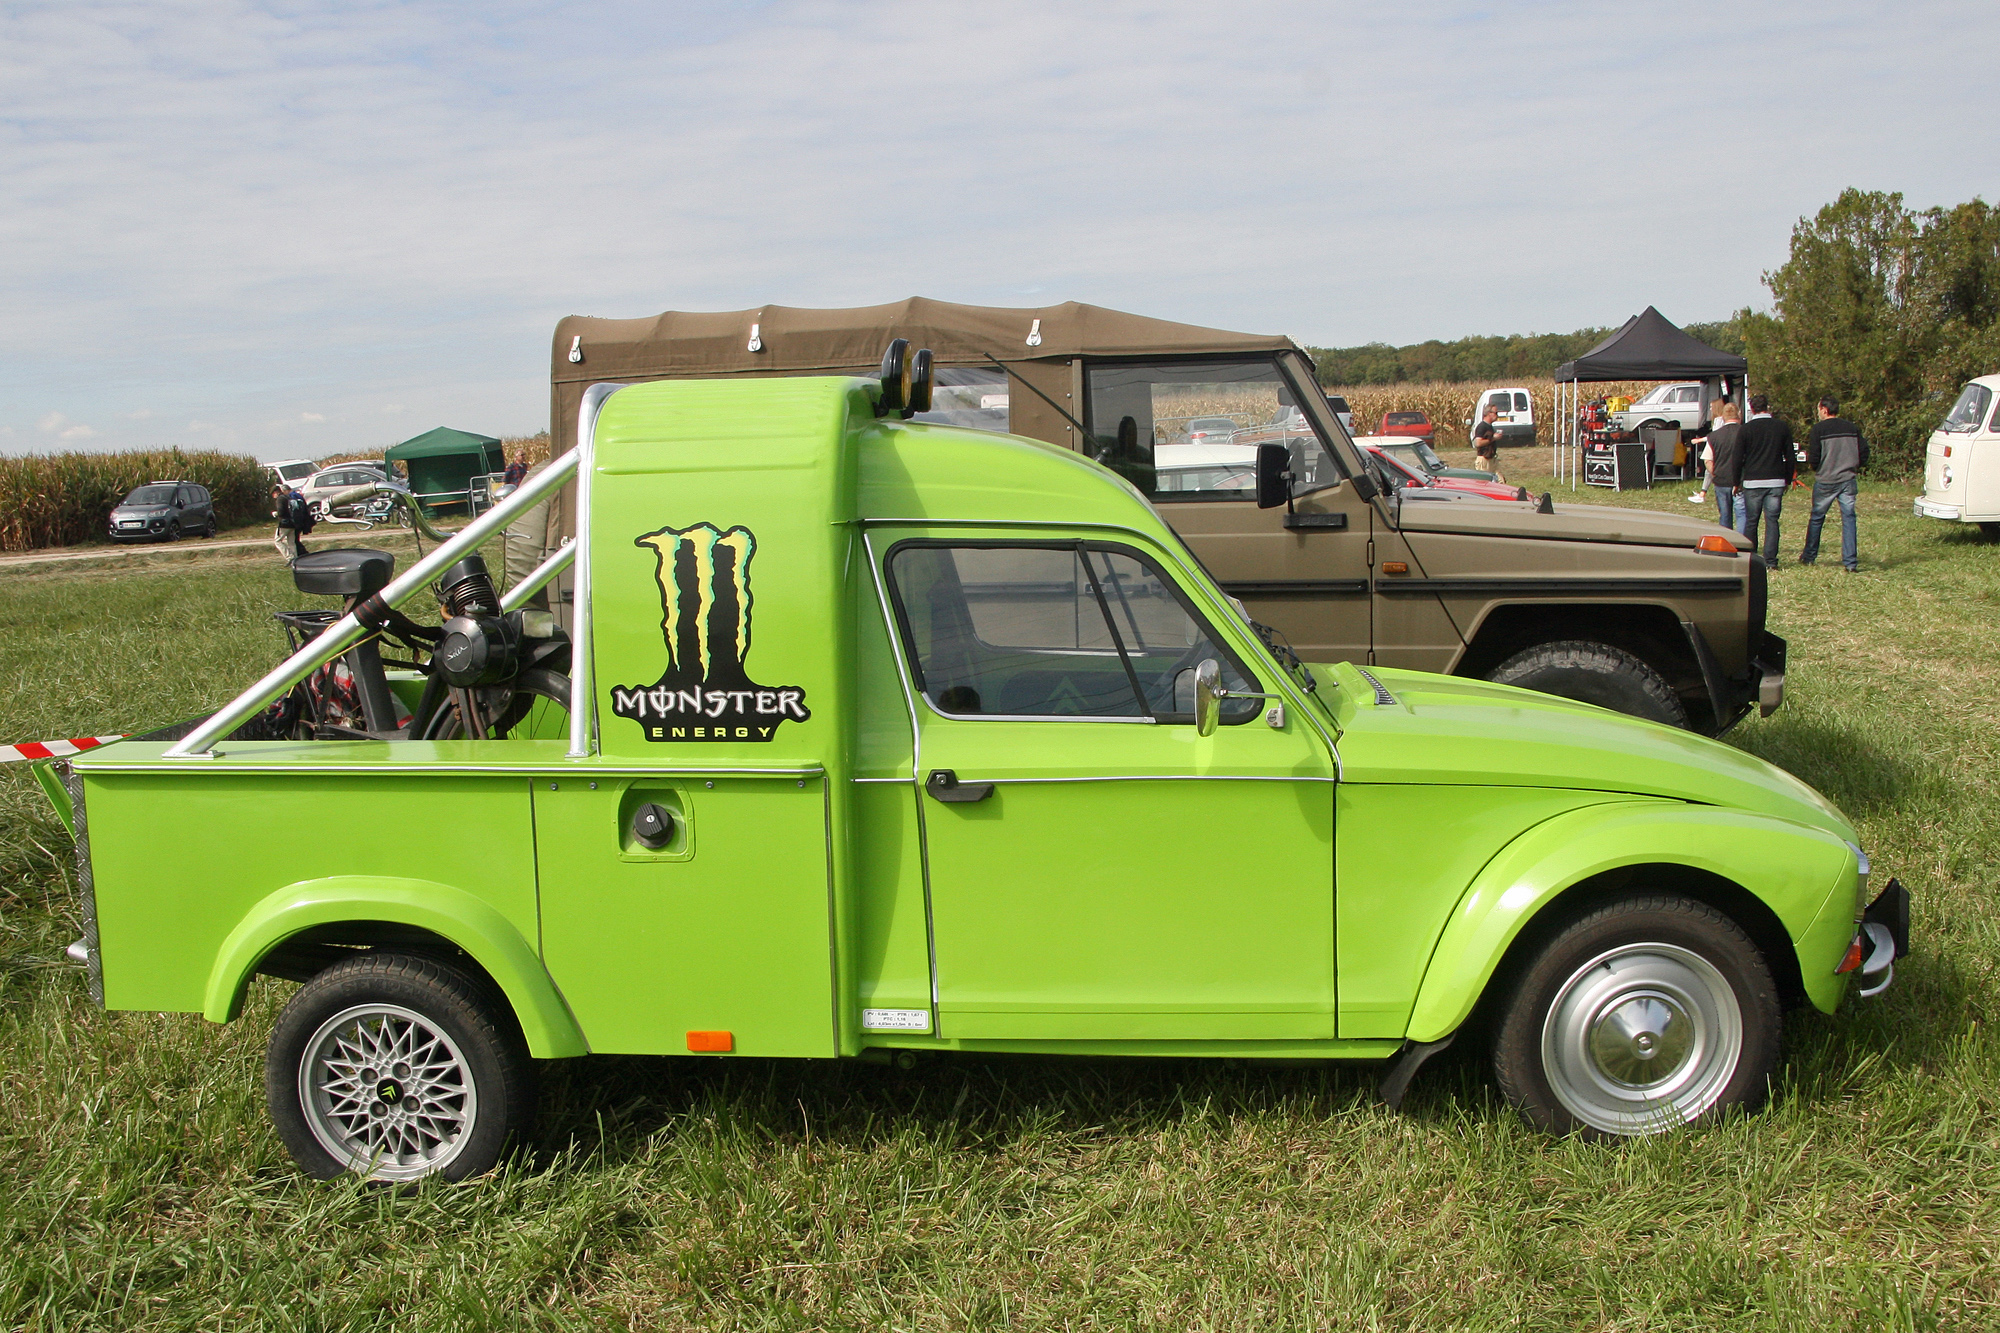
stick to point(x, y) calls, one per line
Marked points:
point(1395, 566)
point(721, 1042)
point(1716, 543)
point(1853, 959)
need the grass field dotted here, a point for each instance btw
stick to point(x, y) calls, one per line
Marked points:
point(141, 1186)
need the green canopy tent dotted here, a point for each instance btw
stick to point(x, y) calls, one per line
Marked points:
point(441, 464)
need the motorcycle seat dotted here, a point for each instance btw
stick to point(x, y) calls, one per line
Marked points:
point(349, 572)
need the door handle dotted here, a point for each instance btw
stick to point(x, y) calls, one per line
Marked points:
point(943, 785)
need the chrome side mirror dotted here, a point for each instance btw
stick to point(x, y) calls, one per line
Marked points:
point(1209, 693)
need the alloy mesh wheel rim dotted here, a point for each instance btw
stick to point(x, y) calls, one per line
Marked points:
point(1642, 1038)
point(387, 1092)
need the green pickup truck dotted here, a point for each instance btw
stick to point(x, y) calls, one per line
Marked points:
point(881, 738)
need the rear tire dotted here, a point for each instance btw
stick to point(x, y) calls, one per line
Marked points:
point(1647, 1013)
point(1990, 531)
point(1594, 673)
point(395, 1067)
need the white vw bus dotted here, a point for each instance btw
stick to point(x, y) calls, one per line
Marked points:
point(1962, 461)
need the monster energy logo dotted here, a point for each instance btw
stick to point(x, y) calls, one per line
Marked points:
point(706, 694)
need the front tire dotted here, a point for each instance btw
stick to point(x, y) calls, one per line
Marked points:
point(1594, 673)
point(395, 1067)
point(1647, 1013)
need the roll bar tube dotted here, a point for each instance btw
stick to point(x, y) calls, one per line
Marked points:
point(343, 633)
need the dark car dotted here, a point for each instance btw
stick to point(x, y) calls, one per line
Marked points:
point(161, 511)
point(1416, 425)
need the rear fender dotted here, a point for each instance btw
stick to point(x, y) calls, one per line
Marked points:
point(1795, 871)
point(468, 922)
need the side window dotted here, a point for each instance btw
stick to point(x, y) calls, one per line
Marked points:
point(1189, 430)
point(1053, 631)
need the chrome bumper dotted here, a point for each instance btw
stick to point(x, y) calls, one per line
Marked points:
point(1883, 938)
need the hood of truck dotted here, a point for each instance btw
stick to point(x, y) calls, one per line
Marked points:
point(1567, 522)
point(1434, 729)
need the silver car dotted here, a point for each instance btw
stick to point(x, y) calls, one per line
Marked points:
point(1664, 405)
point(342, 476)
point(162, 511)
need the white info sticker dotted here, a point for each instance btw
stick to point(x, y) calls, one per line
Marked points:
point(896, 1020)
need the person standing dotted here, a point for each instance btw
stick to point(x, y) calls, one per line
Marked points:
point(1836, 452)
point(294, 517)
point(517, 470)
point(1768, 464)
point(1486, 444)
point(1725, 462)
point(1705, 466)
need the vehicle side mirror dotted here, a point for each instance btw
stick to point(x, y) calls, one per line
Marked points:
point(895, 377)
point(1274, 477)
point(1365, 487)
point(1208, 692)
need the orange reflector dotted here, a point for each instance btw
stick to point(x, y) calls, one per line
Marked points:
point(1853, 959)
point(711, 1041)
point(1716, 542)
point(1395, 567)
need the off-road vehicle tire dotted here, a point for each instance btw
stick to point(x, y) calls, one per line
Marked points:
point(1643, 1014)
point(1593, 673)
point(346, 1094)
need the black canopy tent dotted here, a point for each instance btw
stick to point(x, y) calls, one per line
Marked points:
point(1648, 346)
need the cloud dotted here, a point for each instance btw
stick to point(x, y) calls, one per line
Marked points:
point(51, 422)
point(143, 414)
point(309, 417)
point(76, 432)
point(215, 209)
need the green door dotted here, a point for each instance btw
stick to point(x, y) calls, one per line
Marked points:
point(1122, 878)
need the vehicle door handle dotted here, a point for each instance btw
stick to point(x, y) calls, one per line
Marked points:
point(943, 785)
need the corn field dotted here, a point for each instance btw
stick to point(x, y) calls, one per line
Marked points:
point(62, 499)
point(1448, 405)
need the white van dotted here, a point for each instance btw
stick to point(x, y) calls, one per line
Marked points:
point(1515, 423)
point(1962, 460)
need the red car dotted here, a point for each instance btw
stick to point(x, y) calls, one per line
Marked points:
point(1413, 424)
point(1400, 475)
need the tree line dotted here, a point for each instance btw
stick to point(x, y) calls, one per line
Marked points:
point(1888, 309)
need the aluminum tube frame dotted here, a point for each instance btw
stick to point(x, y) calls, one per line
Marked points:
point(345, 632)
point(582, 676)
point(538, 577)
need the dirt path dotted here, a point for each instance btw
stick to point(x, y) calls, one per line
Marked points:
point(190, 548)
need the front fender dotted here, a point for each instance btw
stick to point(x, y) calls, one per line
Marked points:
point(466, 921)
point(1794, 870)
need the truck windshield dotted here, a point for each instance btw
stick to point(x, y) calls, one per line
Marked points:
point(1155, 424)
point(1969, 410)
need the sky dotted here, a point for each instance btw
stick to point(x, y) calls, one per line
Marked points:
point(293, 229)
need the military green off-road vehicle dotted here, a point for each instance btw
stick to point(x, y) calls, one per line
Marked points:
point(1612, 606)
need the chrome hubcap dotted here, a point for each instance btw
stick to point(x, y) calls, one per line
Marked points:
point(1641, 1038)
point(387, 1092)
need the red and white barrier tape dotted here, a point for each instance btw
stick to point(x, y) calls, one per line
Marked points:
point(53, 749)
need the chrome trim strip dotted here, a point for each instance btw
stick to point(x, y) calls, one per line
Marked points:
point(343, 633)
point(1156, 777)
point(539, 576)
point(916, 759)
point(582, 677)
point(422, 768)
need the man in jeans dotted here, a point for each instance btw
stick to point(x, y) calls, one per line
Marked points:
point(1836, 452)
point(1768, 465)
point(1486, 444)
